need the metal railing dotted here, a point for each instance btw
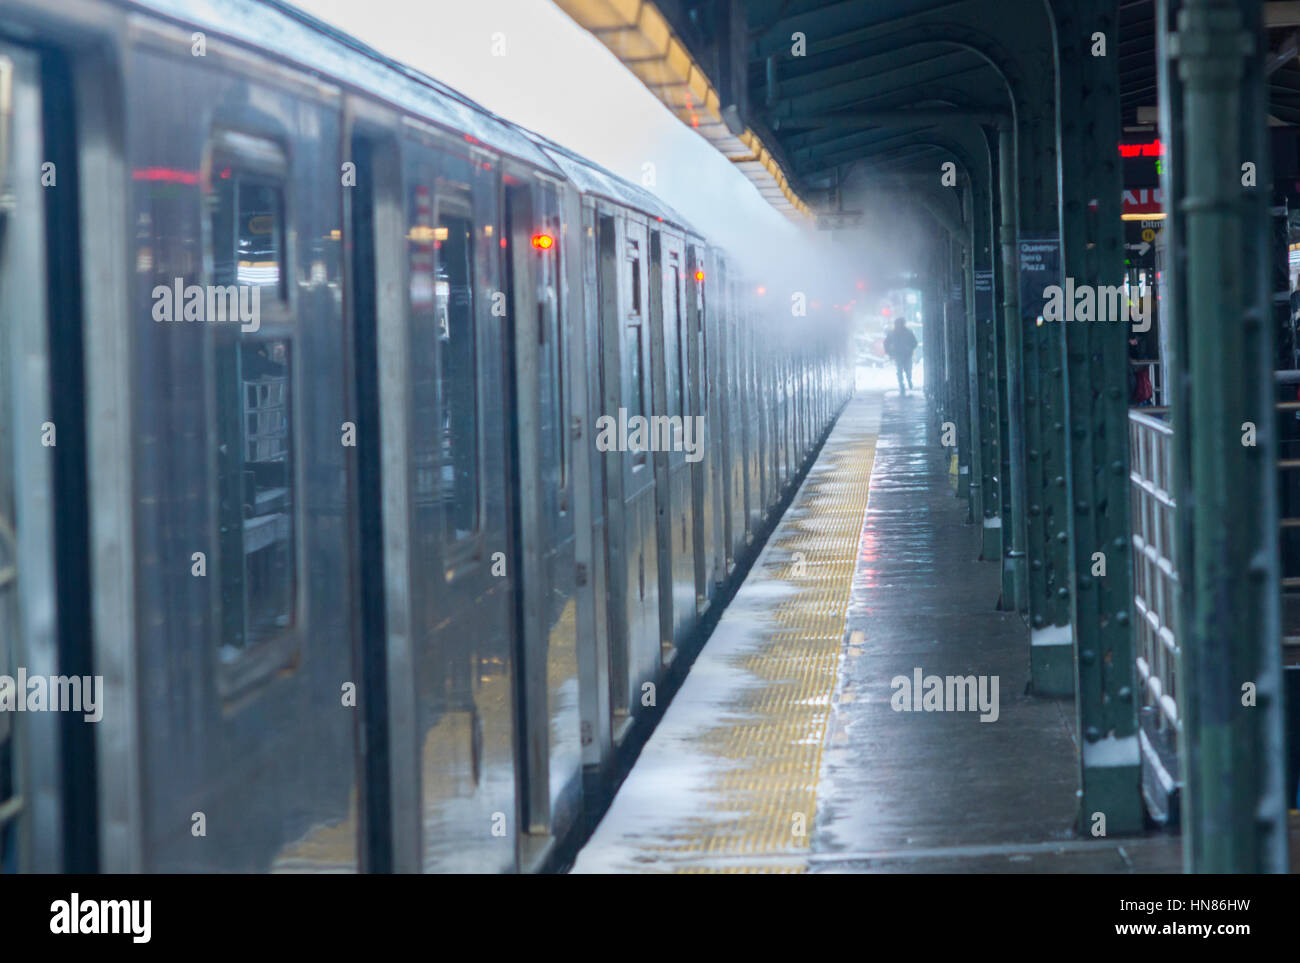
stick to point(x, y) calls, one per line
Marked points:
point(1155, 587)
point(1155, 574)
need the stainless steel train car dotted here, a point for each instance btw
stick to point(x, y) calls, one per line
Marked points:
point(307, 523)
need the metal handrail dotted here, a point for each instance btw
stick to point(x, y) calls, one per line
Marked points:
point(1155, 575)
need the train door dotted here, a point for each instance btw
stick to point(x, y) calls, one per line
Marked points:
point(609, 319)
point(696, 355)
point(47, 761)
point(449, 547)
point(589, 502)
point(628, 329)
point(725, 409)
point(659, 455)
point(548, 708)
point(676, 440)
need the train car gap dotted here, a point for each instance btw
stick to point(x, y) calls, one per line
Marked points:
point(68, 412)
point(377, 854)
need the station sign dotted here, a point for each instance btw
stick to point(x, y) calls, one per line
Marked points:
point(1143, 200)
point(1040, 268)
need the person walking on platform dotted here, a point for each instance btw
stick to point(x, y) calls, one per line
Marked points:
point(899, 345)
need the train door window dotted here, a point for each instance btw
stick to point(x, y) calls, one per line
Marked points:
point(634, 390)
point(683, 343)
point(549, 284)
point(672, 336)
point(704, 333)
point(254, 396)
point(457, 329)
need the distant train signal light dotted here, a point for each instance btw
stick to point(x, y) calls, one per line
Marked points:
point(543, 242)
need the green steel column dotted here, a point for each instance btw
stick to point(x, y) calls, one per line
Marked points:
point(1014, 493)
point(1235, 810)
point(931, 350)
point(1096, 363)
point(974, 432)
point(987, 410)
point(1051, 659)
point(1007, 504)
point(959, 364)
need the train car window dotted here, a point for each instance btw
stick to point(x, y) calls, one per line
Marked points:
point(248, 232)
point(704, 334)
point(454, 297)
point(254, 395)
point(675, 346)
point(444, 333)
point(549, 285)
point(672, 400)
point(634, 387)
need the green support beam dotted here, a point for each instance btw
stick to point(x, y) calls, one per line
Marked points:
point(974, 433)
point(1011, 505)
point(1229, 666)
point(985, 359)
point(1047, 507)
point(1015, 587)
point(1097, 372)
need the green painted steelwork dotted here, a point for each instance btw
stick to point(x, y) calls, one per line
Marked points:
point(1015, 534)
point(1097, 361)
point(1234, 805)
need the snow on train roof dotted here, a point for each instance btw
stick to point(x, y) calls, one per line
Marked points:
point(591, 178)
point(288, 32)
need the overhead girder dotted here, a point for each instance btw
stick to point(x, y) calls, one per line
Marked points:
point(797, 79)
point(969, 96)
point(836, 139)
point(878, 143)
point(859, 87)
point(842, 24)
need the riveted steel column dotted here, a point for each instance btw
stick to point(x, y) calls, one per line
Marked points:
point(1051, 659)
point(1013, 547)
point(974, 440)
point(1096, 360)
point(1234, 813)
point(932, 334)
point(1007, 505)
point(988, 409)
point(959, 362)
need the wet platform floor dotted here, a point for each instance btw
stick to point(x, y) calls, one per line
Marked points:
point(782, 751)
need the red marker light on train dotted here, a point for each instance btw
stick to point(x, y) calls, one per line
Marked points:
point(543, 242)
point(762, 290)
point(699, 275)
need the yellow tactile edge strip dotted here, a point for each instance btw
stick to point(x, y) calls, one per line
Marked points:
point(765, 798)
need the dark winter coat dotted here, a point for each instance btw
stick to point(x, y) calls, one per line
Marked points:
point(899, 345)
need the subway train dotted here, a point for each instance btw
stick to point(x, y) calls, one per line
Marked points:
point(368, 464)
